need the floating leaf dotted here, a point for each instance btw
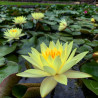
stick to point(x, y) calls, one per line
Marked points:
point(27, 44)
point(19, 90)
point(33, 92)
point(92, 85)
point(4, 50)
point(85, 31)
point(91, 68)
point(8, 69)
point(28, 25)
point(94, 43)
point(65, 39)
point(26, 90)
point(2, 61)
point(85, 48)
point(12, 57)
point(7, 85)
point(79, 41)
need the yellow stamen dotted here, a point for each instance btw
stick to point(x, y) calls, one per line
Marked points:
point(52, 52)
point(13, 30)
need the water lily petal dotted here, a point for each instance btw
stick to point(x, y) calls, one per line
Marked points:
point(58, 45)
point(72, 55)
point(43, 47)
point(64, 53)
point(61, 79)
point(69, 48)
point(34, 63)
point(50, 60)
point(35, 51)
point(65, 45)
point(76, 74)
point(72, 62)
point(37, 15)
point(36, 55)
point(47, 85)
point(51, 45)
point(25, 74)
point(67, 66)
point(57, 62)
point(44, 62)
point(37, 72)
point(49, 70)
point(36, 58)
point(79, 56)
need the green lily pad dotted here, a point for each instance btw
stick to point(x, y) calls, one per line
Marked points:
point(85, 48)
point(26, 90)
point(19, 90)
point(91, 68)
point(12, 57)
point(4, 50)
point(49, 22)
point(8, 69)
point(27, 44)
point(7, 84)
point(2, 61)
point(85, 31)
point(65, 39)
point(28, 25)
point(92, 85)
point(94, 43)
point(79, 41)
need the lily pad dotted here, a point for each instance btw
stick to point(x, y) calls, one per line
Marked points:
point(7, 85)
point(2, 61)
point(85, 48)
point(8, 69)
point(91, 68)
point(79, 41)
point(92, 85)
point(26, 90)
point(4, 50)
point(27, 44)
point(28, 25)
point(19, 90)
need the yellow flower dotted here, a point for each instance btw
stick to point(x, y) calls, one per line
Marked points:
point(13, 33)
point(92, 20)
point(37, 16)
point(19, 20)
point(54, 62)
point(62, 25)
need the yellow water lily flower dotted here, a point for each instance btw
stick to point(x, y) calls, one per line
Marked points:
point(54, 63)
point(13, 33)
point(62, 25)
point(19, 20)
point(92, 20)
point(37, 16)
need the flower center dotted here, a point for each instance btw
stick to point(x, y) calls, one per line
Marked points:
point(52, 52)
point(13, 30)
